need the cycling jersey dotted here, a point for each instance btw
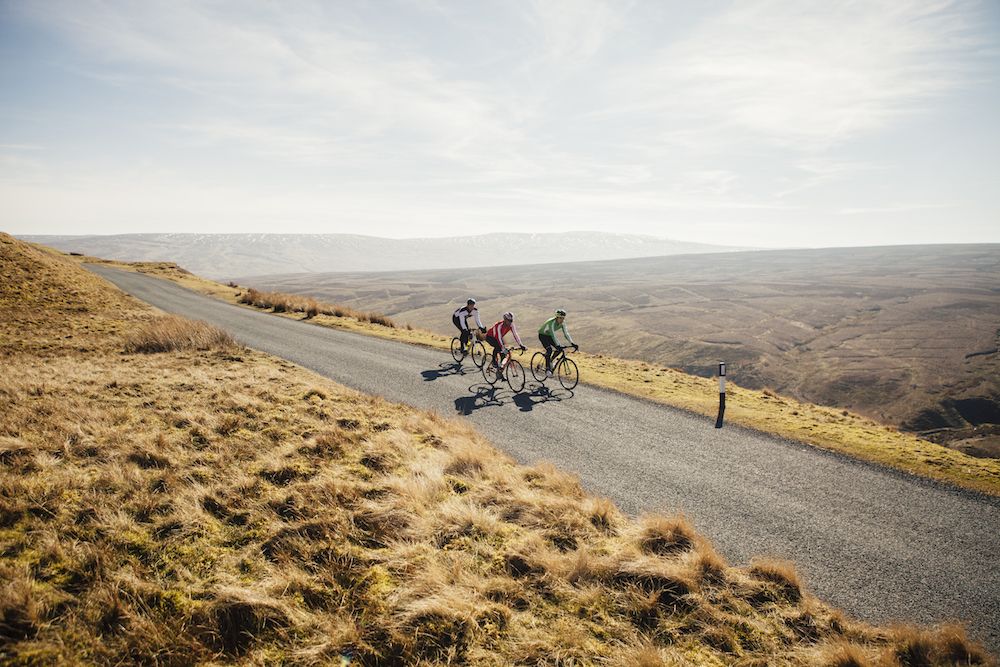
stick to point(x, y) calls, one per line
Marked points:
point(463, 313)
point(549, 329)
point(500, 329)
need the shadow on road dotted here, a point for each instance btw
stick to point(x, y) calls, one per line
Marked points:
point(483, 396)
point(535, 394)
point(444, 370)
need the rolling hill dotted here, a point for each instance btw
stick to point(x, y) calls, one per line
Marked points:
point(224, 256)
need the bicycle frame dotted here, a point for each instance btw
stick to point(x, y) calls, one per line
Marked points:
point(502, 370)
point(475, 336)
point(473, 345)
point(505, 358)
point(560, 365)
point(557, 357)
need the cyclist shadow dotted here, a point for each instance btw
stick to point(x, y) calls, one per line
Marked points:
point(443, 370)
point(536, 393)
point(483, 396)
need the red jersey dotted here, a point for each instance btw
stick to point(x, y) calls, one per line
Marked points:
point(500, 329)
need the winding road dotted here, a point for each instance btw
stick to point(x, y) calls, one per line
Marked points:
point(882, 545)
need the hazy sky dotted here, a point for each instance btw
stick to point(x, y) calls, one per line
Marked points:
point(750, 122)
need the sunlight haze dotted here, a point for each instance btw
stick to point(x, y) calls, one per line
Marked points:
point(765, 124)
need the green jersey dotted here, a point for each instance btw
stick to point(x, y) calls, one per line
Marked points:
point(549, 329)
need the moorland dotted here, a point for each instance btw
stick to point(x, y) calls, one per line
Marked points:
point(168, 496)
point(906, 335)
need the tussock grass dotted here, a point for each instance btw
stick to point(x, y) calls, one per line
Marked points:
point(198, 506)
point(781, 574)
point(171, 333)
point(665, 536)
point(279, 302)
point(842, 655)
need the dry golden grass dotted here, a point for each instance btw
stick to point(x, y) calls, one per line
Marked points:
point(829, 428)
point(288, 303)
point(220, 505)
point(171, 333)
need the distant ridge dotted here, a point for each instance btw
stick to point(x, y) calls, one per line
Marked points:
point(226, 256)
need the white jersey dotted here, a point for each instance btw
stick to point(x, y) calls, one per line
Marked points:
point(462, 314)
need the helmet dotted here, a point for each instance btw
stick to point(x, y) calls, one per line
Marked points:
point(508, 316)
point(470, 302)
point(560, 312)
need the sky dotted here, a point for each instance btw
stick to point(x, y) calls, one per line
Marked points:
point(755, 122)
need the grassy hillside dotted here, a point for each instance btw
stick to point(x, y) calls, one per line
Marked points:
point(835, 429)
point(169, 497)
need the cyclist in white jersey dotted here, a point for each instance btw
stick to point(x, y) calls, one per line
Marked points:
point(460, 318)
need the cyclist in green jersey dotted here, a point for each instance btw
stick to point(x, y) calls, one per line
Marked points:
point(547, 336)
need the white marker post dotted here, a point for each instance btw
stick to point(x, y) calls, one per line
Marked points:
point(722, 394)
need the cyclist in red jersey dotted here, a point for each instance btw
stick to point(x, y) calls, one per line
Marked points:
point(496, 334)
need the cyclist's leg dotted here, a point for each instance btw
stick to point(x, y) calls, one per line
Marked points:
point(549, 344)
point(495, 344)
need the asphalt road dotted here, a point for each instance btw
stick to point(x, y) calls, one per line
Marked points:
point(879, 544)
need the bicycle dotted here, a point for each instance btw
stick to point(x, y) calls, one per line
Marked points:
point(563, 368)
point(510, 370)
point(474, 348)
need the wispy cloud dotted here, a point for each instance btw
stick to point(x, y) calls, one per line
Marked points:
point(816, 171)
point(573, 31)
point(810, 75)
point(267, 68)
point(898, 208)
point(521, 112)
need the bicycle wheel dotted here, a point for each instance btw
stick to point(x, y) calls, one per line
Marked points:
point(478, 354)
point(515, 376)
point(568, 373)
point(490, 372)
point(456, 349)
point(538, 366)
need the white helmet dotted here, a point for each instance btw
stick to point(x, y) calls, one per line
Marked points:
point(470, 302)
point(508, 316)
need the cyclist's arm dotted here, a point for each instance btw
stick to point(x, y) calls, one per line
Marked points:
point(513, 330)
point(479, 322)
point(565, 333)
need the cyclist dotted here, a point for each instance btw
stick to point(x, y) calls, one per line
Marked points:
point(547, 336)
point(496, 335)
point(460, 318)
